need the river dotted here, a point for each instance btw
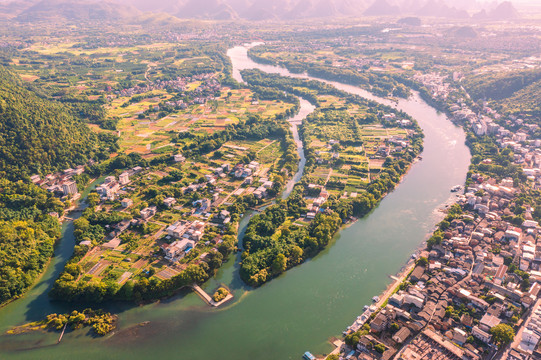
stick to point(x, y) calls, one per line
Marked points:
point(293, 313)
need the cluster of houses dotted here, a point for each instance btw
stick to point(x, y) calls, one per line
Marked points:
point(485, 271)
point(321, 196)
point(112, 187)
point(467, 284)
point(179, 84)
point(392, 119)
point(393, 144)
point(186, 235)
point(244, 171)
point(62, 183)
point(435, 83)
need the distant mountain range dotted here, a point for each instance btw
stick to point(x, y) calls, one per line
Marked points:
point(73, 10)
point(255, 10)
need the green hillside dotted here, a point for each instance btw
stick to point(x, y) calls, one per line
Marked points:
point(497, 86)
point(38, 135)
point(526, 101)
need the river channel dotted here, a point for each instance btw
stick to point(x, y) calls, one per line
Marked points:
point(293, 313)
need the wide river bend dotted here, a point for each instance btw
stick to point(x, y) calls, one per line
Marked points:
point(294, 313)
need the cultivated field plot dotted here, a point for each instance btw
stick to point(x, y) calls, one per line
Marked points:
point(148, 135)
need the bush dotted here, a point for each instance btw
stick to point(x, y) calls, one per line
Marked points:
point(380, 348)
point(220, 294)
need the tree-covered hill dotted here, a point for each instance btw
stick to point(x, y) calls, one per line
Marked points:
point(27, 235)
point(526, 101)
point(38, 135)
point(498, 86)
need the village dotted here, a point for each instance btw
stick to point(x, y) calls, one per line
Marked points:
point(474, 291)
point(186, 227)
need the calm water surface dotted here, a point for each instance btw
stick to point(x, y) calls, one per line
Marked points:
point(296, 312)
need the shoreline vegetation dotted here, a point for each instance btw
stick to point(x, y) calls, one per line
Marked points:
point(100, 323)
point(220, 294)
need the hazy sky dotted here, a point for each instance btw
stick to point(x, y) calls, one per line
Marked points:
point(529, 2)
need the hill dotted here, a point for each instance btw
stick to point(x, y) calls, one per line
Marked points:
point(504, 11)
point(207, 9)
point(38, 135)
point(77, 10)
point(462, 32)
point(253, 10)
point(411, 21)
point(441, 9)
point(499, 86)
point(13, 8)
point(382, 8)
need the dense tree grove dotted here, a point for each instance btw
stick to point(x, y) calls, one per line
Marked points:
point(274, 244)
point(502, 334)
point(27, 235)
point(39, 136)
point(101, 322)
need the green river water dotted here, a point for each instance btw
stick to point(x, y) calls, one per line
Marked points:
point(296, 312)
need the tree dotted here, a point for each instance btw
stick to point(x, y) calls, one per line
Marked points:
point(279, 265)
point(435, 239)
point(352, 339)
point(296, 255)
point(422, 261)
point(502, 334)
point(215, 259)
point(93, 199)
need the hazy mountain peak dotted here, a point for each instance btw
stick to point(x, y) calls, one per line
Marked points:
point(505, 10)
point(382, 8)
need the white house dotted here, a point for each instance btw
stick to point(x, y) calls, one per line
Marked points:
point(124, 178)
point(481, 335)
point(126, 203)
point(178, 158)
point(177, 250)
point(170, 201)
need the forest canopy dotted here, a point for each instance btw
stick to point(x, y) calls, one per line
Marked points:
point(39, 136)
point(27, 235)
